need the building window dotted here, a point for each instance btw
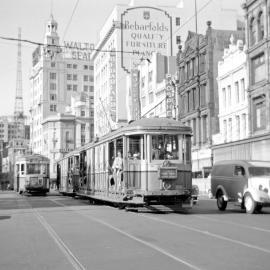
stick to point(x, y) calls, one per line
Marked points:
point(69, 87)
point(260, 26)
point(52, 75)
point(229, 96)
point(85, 88)
point(91, 78)
point(230, 129)
point(82, 128)
point(237, 94)
point(143, 82)
point(143, 102)
point(85, 78)
point(85, 67)
point(237, 120)
point(75, 77)
point(151, 97)
point(52, 96)
point(178, 39)
point(53, 107)
point(202, 63)
point(150, 76)
point(225, 130)
point(194, 131)
point(243, 90)
point(91, 67)
point(259, 109)
point(82, 113)
point(91, 88)
point(204, 129)
point(244, 125)
point(75, 87)
point(258, 69)
point(252, 30)
point(188, 70)
point(69, 66)
point(82, 139)
point(52, 64)
point(52, 86)
point(69, 77)
point(75, 66)
point(177, 21)
point(202, 95)
point(224, 98)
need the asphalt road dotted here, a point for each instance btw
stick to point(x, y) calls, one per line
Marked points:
point(56, 232)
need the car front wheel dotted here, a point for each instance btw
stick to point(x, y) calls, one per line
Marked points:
point(221, 203)
point(250, 204)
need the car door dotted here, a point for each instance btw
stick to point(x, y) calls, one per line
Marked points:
point(239, 181)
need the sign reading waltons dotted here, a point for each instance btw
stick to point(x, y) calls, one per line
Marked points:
point(144, 30)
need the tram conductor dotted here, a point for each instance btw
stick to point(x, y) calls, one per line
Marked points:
point(118, 169)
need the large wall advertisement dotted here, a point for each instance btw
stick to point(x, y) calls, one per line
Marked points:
point(144, 30)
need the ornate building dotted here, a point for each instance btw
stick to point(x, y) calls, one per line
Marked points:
point(59, 73)
point(257, 145)
point(198, 91)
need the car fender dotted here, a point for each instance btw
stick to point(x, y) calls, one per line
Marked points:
point(220, 187)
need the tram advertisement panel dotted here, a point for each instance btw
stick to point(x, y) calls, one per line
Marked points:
point(145, 30)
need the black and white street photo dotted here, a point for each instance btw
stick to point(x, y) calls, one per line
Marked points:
point(134, 134)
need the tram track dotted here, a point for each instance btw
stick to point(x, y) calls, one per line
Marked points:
point(69, 255)
point(134, 238)
point(209, 234)
point(193, 229)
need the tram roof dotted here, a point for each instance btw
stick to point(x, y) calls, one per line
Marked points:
point(31, 157)
point(145, 125)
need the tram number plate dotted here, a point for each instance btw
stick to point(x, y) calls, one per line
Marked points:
point(167, 173)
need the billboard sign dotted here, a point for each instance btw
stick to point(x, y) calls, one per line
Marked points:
point(144, 30)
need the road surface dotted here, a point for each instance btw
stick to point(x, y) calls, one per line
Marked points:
point(57, 232)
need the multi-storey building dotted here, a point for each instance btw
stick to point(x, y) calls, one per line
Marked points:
point(232, 91)
point(58, 73)
point(157, 93)
point(257, 145)
point(129, 36)
point(65, 132)
point(198, 91)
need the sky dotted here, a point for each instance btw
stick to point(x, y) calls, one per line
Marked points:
point(85, 24)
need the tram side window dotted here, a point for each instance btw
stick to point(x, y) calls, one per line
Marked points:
point(135, 147)
point(22, 169)
point(111, 153)
point(165, 147)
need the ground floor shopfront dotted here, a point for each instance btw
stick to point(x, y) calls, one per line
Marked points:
point(254, 148)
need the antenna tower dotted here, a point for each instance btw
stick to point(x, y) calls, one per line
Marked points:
point(18, 110)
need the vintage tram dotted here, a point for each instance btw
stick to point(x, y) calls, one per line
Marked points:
point(32, 174)
point(145, 163)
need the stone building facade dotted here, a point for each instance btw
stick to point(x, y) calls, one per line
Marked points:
point(198, 91)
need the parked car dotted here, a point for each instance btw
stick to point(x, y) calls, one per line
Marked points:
point(244, 182)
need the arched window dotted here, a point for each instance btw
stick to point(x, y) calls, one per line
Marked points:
point(260, 26)
point(252, 31)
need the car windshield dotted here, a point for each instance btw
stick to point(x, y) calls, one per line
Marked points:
point(259, 171)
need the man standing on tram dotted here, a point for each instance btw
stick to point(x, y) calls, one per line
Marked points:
point(118, 170)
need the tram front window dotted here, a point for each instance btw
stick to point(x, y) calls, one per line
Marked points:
point(33, 169)
point(165, 147)
point(135, 147)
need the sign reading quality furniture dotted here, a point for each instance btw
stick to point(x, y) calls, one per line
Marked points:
point(144, 30)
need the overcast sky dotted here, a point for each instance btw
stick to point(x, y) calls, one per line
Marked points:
point(89, 16)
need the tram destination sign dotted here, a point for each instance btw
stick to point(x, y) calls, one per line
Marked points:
point(144, 30)
point(167, 172)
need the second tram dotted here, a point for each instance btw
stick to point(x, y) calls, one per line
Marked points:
point(32, 174)
point(147, 162)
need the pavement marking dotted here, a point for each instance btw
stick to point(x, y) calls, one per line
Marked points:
point(235, 224)
point(209, 234)
point(67, 252)
point(161, 250)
